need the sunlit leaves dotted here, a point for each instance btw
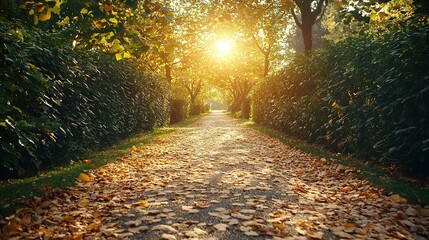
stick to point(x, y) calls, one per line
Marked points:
point(42, 10)
point(44, 16)
point(84, 178)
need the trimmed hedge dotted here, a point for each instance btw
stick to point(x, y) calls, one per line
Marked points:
point(366, 95)
point(57, 103)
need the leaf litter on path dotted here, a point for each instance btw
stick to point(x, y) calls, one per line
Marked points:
point(219, 180)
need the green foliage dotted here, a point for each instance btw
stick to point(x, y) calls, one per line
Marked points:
point(57, 103)
point(365, 95)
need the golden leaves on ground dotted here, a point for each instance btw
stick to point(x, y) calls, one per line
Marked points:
point(219, 180)
point(84, 178)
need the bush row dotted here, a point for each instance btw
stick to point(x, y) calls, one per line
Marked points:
point(366, 95)
point(57, 103)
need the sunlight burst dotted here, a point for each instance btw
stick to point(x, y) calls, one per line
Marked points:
point(224, 46)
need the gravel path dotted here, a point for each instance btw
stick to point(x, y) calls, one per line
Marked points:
point(217, 179)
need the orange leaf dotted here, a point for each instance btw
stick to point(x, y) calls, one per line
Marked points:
point(84, 178)
point(87, 161)
point(99, 25)
point(12, 229)
point(108, 7)
point(94, 227)
point(279, 226)
point(45, 16)
point(349, 225)
point(26, 219)
point(143, 203)
point(46, 232)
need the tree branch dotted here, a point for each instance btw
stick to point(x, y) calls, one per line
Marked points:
point(322, 13)
point(298, 23)
point(317, 12)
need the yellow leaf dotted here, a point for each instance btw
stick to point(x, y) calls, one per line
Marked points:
point(45, 16)
point(84, 11)
point(134, 148)
point(373, 16)
point(87, 161)
point(302, 224)
point(127, 55)
point(56, 9)
point(113, 20)
point(143, 203)
point(118, 56)
point(31, 12)
point(84, 202)
point(63, 22)
point(117, 47)
point(84, 178)
point(279, 226)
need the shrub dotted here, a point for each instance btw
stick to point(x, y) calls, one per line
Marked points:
point(57, 103)
point(365, 95)
point(178, 110)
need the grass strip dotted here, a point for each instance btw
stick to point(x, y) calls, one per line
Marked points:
point(14, 193)
point(413, 192)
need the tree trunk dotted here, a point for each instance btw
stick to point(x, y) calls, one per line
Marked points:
point(307, 29)
point(267, 63)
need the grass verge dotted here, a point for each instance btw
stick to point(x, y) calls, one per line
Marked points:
point(413, 192)
point(14, 193)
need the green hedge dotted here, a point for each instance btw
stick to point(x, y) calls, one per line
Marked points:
point(365, 95)
point(57, 103)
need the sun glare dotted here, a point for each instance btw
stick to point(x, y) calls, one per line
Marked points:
point(224, 46)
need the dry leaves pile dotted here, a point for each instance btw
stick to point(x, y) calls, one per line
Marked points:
point(219, 180)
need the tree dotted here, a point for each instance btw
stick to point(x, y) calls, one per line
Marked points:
point(311, 12)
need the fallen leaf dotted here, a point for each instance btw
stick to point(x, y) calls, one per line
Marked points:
point(349, 225)
point(251, 233)
point(315, 235)
point(143, 203)
point(424, 212)
point(166, 236)
point(87, 161)
point(397, 199)
point(411, 211)
point(199, 231)
point(221, 227)
point(164, 228)
point(26, 219)
point(138, 229)
point(84, 178)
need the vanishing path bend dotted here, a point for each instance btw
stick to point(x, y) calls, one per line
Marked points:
point(218, 179)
